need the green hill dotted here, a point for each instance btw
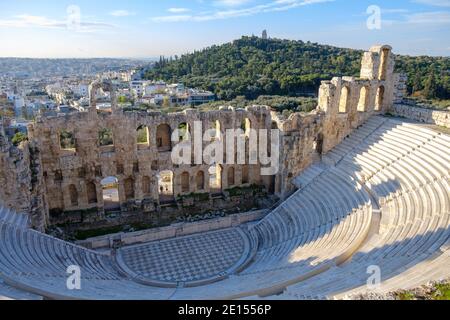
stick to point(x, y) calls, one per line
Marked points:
point(252, 67)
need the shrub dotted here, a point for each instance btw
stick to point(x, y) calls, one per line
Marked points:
point(18, 138)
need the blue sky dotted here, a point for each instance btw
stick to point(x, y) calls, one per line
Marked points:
point(142, 28)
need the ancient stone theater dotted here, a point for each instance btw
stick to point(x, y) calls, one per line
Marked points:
point(362, 186)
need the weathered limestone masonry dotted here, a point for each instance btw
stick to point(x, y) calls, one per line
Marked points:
point(348, 102)
point(406, 109)
point(73, 177)
point(20, 180)
point(345, 103)
point(70, 173)
point(430, 116)
point(300, 145)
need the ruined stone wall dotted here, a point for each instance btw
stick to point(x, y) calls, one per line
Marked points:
point(67, 180)
point(348, 102)
point(301, 145)
point(408, 109)
point(67, 173)
point(430, 116)
point(345, 103)
point(19, 180)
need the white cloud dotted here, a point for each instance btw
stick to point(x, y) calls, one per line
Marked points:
point(30, 21)
point(172, 18)
point(178, 10)
point(274, 6)
point(122, 13)
point(231, 3)
point(437, 3)
point(392, 11)
point(423, 19)
point(25, 20)
point(440, 17)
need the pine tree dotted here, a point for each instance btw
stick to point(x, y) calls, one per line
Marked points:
point(430, 90)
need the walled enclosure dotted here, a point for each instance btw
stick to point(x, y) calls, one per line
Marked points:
point(51, 176)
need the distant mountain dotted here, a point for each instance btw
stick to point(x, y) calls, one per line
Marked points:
point(253, 66)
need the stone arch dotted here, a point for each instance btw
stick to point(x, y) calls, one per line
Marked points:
point(185, 185)
point(379, 100)
point(344, 100)
point(146, 186)
point(246, 126)
point(73, 193)
point(105, 85)
point(214, 131)
point(218, 127)
point(165, 186)
point(128, 185)
point(183, 132)
point(230, 177)
point(245, 174)
point(363, 99)
point(91, 191)
point(142, 135)
point(163, 137)
point(200, 180)
point(110, 190)
point(215, 178)
point(384, 58)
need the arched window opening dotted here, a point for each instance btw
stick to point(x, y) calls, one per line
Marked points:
point(67, 140)
point(129, 188)
point(246, 126)
point(110, 187)
point(245, 178)
point(384, 63)
point(165, 186)
point(344, 100)
point(73, 195)
point(215, 131)
point(146, 186)
point(183, 132)
point(379, 99)
point(363, 99)
point(231, 176)
point(91, 191)
point(143, 135)
point(200, 180)
point(185, 182)
point(215, 178)
point(105, 137)
point(163, 138)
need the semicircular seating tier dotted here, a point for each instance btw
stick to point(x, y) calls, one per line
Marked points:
point(380, 198)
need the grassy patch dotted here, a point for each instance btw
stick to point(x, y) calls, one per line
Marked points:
point(442, 292)
point(239, 191)
point(85, 234)
point(406, 296)
point(437, 291)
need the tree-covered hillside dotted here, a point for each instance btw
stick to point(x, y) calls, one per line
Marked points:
point(252, 66)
